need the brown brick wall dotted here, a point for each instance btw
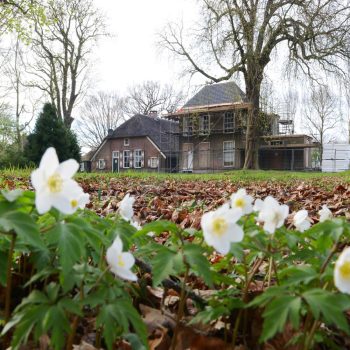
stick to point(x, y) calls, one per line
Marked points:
point(135, 143)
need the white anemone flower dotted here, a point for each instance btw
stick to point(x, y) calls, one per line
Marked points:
point(258, 204)
point(53, 182)
point(77, 199)
point(120, 262)
point(125, 207)
point(241, 200)
point(325, 213)
point(301, 220)
point(342, 271)
point(272, 214)
point(220, 228)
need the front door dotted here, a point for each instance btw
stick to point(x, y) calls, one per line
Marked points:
point(187, 164)
point(115, 162)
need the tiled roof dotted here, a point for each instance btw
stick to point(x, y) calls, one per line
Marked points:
point(216, 94)
point(159, 130)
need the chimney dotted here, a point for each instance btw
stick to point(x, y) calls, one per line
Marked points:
point(153, 114)
point(110, 132)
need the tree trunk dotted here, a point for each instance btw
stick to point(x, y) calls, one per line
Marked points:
point(252, 134)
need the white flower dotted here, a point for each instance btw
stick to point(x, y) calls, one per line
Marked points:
point(77, 199)
point(220, 228)
point(120, 262)
point(342, 271)
point(11, 196)
point(271, 213)
point(125, 207)
point(136, 225)
point(301, 220)
point(241, 200)
point(325, 213)
point(53, 183)
point(258, 205)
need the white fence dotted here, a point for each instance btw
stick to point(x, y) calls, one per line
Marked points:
point(336, 157)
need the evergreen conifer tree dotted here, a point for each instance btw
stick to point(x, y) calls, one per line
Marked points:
point(50, 131)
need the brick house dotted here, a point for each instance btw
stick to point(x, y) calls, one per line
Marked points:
point(142, 143)
point(212, 128)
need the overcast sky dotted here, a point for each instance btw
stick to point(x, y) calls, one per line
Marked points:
point(131, 54)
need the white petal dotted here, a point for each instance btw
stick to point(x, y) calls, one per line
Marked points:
point(118, 244)
point(68, 168)
point(270, 227)
point(236, 233)
point(83, 200)
point(62, 203)
point(128, 260)
point(222, 246)
point(49, 161)
point(42, 202)
point(258, 204)
point(125, 274)
point(38, 179)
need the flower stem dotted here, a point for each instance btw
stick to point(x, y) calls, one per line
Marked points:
point(180, 311)
point(9, 278)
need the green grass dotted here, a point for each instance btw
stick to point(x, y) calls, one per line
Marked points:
point(243, 176)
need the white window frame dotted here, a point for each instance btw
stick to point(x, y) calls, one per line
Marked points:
point(115, 154)
point(126, 142)
point(101, 164)
point(129, 159)
point(227, 151)
point(204, 125)
point(152, 159)
point(228, 129)
point(187, 126)
point(135, 158)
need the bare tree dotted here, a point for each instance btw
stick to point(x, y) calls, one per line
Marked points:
point(239, 37)
point(13, 70)
point(321, 115)
point(152, 96)
point(62, 47)
point(99, 113)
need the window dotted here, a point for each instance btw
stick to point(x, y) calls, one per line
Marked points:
point(138, 158)
point(101, 164)
point(204, 124)
point(204, 155)
point(126, 142)
point(187, 126)
point(115, 154)
point(229, 122)
point(229, 153)
point(153, 162)
point(126, 159)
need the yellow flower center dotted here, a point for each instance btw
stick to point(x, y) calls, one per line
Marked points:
point(54, 183)
point(240, 202)
point(345, 270)
point(219, 226)
point(74, 203)
point(121, 262)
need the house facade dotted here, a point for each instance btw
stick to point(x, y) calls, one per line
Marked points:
point(142, 143)
point(212, 133)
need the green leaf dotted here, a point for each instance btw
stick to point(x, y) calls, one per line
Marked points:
point(198, 262)
point(331, 306)
point(210, 314)
point(277, 313)
point(71, 245)
point(298, 274)
point(164, 264)
point(157, 227)
point(24, 226)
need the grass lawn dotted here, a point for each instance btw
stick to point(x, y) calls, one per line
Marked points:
point(9, 177)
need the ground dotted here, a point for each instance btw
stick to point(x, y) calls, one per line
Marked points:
point(183, 199)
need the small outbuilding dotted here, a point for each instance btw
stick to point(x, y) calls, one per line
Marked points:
point(336, 157)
